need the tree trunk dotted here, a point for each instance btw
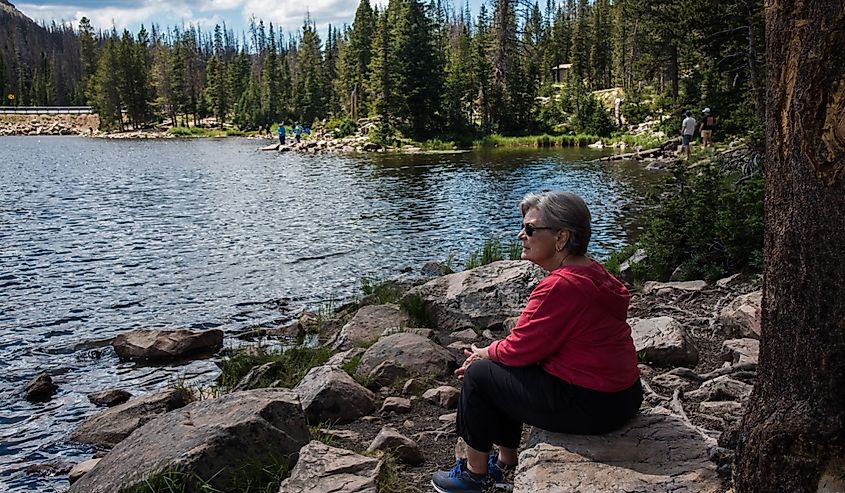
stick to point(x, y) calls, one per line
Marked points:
point(792, 437)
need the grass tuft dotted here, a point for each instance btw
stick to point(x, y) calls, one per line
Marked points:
point(289, 366)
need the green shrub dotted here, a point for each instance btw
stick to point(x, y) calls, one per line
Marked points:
point(711, 226)
point(289, 365)
point(342, 127)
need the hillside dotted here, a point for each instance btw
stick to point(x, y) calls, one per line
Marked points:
point(39, 65)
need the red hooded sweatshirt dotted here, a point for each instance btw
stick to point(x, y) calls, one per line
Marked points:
point(575, 328)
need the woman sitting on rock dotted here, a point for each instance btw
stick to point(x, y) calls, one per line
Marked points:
point(569, 365)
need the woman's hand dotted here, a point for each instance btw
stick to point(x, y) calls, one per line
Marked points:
point(474, 353)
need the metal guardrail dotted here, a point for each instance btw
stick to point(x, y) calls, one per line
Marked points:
point(45, 110)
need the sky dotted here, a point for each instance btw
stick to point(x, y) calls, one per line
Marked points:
point(130, 14)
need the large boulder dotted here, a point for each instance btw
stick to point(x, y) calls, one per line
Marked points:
point(167, 345)
point(367, 324)
point(482, 297)
point(212, 439)
point(111, 426)
point(663, 341)
point(742, 316)
point(414, 352)
point(325, 469)
point(329, 394)
point(654, 453)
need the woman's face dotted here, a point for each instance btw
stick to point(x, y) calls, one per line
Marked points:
point(539, 247)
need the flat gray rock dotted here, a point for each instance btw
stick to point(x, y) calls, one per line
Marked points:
point(654, 453)
point(211, 439)
point(662, 288)
point(110, 427)
point(325, 469)
point(167, 345)
point(723, 388)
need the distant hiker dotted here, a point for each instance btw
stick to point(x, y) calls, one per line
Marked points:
point(687, 131)
point(281, 132)
point(297, 132)
point(708, 122)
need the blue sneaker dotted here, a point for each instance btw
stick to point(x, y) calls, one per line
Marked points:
point(501, 477)
point(458, 480)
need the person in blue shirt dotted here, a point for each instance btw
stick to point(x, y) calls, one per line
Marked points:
point(297, 131)
point(281, 132)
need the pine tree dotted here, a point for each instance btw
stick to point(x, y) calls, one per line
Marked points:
point(418, 84)
point(354, 69)
point(308, 81)
point(580, 51)
point(380, 84)
point(216, 75)
point(87, 52)
point(481, 70)
point(105, 92)
point(601, 54)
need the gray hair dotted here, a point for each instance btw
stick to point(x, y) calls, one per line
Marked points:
point(562, 210)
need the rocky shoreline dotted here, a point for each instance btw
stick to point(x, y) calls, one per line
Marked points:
point(379, 414)
point(38, 125)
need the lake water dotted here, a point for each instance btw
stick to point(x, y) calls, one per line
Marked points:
point(98, 237)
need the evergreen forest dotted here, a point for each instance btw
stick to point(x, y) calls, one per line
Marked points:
point(422, 69)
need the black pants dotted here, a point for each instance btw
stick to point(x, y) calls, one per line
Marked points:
point(496, 400)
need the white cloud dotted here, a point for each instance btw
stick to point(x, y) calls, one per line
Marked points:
point(290, 14)
point(214, 5)
point(106, 16)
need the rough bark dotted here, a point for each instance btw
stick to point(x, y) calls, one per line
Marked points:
point(793, 428)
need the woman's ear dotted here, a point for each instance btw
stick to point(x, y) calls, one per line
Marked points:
point(562, 239)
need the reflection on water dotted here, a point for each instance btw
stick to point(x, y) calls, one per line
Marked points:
point(98, 237)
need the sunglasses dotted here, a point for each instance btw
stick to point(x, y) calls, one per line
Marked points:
point(530, 228)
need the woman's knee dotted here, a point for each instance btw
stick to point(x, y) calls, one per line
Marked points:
point(478, 371)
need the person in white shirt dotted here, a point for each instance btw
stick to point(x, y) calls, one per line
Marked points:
point(687, 131)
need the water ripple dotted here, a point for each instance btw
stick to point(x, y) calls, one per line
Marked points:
point(100, 237)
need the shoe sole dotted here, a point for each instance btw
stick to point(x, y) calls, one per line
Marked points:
point(503, 487)
point(439, 489)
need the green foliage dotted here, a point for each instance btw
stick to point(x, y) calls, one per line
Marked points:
point(711, 226)
point(617, 258)
point(197, 132)
point(416, 309)
point(251, 478)
point(590, 117)
point(342, 127)
point(316, 433)
point(351, 366)
point(172, 479)
point(379, 292)
point(492, 250)
point(289, 366)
